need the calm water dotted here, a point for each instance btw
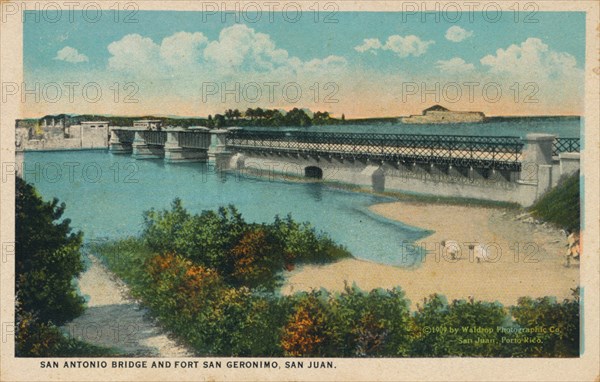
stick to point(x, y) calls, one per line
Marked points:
point(106, 194)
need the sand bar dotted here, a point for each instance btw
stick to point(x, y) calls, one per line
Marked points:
point(538, 271)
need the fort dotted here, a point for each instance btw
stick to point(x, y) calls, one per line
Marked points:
point(439, 114)
point(58, 134)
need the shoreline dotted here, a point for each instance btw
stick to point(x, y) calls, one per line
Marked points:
point(528, 259)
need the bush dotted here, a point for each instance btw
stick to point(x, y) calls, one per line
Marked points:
point(560, 321)
point(308, 331)
point(244, 254)
point(46, 263)
point(372, 324)
point(461, 328)
point(47, 258)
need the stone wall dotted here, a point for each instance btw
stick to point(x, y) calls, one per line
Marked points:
point(78, 137)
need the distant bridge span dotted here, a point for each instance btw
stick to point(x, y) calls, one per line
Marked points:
point(506, 169)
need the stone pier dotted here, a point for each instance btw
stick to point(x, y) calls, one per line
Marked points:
point(180, 148)
point(218, 152)
point(143, 149)
point(119, 141)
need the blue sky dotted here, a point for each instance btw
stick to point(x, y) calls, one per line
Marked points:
point(398, 46)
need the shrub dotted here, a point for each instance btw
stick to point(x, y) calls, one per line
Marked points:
point(256, 259)
point(559, 322)
point(244, 254)
point(47, 258)
point(371, 324)
point(461, 328)
point(307, 332)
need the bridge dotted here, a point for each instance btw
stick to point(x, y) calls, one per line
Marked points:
point(497, 168)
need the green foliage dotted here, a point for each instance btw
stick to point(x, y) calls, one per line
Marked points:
point(555, 327)
point(244, 254)
point(462, 328)
point(209, 278)
point(372, 324)
point(301, 243)
point(47, 258)
point(46, 263)
point(561, 205)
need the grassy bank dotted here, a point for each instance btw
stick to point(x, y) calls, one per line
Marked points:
point(561, 205)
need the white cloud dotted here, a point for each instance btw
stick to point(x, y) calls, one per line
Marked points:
point(532, 58)
point(329, 63)
point(71, 55)
point(454, 65)
point(369, 44)
point(403, 46)
point(133, 52)
point(407, 46)
point(239, 49)
point(457, 34)
point(182, 48)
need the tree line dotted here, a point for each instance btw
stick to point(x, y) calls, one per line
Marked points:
point(272, 117)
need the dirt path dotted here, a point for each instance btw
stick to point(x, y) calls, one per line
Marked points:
point(113, 320)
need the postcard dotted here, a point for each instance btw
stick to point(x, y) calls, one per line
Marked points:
point(300, 191)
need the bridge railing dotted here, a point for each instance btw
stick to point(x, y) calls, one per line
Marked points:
point(194, 140)
point(486, 152)
point(565, 145)
point(157, 138)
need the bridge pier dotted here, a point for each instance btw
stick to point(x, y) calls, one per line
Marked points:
point(218, 152)
point(145, 150)
point(119, 142)
point(536, 167)
point(177, 150)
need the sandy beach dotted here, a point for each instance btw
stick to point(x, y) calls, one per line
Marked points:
point(537, 271)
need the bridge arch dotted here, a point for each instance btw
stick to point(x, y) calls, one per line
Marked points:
point(313, 172)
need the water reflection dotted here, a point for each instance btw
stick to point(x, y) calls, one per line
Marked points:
point(314, 190)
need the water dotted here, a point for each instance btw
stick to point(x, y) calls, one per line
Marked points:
point(106, 195)
point(566, 127)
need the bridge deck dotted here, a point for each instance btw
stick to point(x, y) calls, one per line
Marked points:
point(487, 152)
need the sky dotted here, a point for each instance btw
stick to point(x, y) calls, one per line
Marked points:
point(361, 64)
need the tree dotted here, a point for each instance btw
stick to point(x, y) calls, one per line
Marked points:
point(297, 117)
point(219, 121)
point(47, 258)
